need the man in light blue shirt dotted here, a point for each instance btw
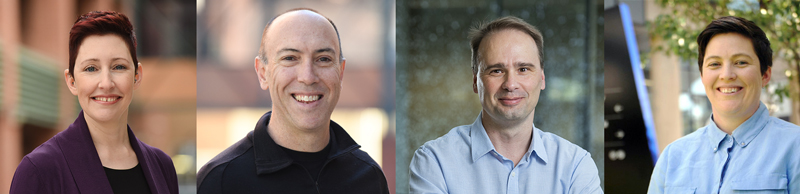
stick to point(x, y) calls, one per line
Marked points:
point(502, 152)
point(742, 149)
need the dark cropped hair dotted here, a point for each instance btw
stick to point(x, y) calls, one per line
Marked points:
point(101, 23)
point(477, 34)
point(262, 52)
point(732, 24)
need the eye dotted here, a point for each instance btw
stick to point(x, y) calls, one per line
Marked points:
point(713, 64)
point(289, 58)
point(525, 69)
point(495, 71)
point(741, 63)
point(325, 59)
point(120, 67)
point(90, 69)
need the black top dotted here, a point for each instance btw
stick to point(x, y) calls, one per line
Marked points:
point(311, 161)
point(256, 164)
point(127, 181)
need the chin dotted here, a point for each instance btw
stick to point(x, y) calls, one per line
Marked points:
point(102, 115)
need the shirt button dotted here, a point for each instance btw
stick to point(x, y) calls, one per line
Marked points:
point(513, 174)
point(742, 144)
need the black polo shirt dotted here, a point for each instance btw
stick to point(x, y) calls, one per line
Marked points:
point(256, 164)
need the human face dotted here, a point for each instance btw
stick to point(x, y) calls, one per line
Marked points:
point(509, 77)
point(732, 76)
point(303, 73)
point(103, 78)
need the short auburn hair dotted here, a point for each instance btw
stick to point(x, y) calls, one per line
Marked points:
point(733, 24)
point(101, 23)
point(477, 34)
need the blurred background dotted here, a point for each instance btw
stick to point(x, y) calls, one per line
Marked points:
point(36, 104)
point(434, 78)
point(230, 101)
point(666, 34)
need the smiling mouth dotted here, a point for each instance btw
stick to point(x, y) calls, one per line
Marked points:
point(306, 98)
point(729, 90)
point(106, 99)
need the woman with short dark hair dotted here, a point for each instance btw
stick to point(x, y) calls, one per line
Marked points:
point(98, 153)
point(742, 149)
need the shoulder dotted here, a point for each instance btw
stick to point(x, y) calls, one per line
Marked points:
point(779, 132)
point(156, 158)
point(47, 157)
point(373, 166)
point(41, 169)
point(457, 136)
point(562, 150)
point(552, 141)
point(214, 169)
point(156, 153)
point(783, 127)
point(690, 141)
point(365, 158)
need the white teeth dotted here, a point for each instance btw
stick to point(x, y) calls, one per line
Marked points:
point(303, 98)
point(728, 90)
point(105, 99)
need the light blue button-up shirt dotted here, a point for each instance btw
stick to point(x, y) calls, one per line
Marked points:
point(762, 156)
point(465, 161)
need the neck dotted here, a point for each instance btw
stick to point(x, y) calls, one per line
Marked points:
point(510, 138)
point(729, 123)
point(111, 141)
point(298, 139)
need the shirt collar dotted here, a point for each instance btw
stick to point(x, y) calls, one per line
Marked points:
point(743, 134)
point(270, 157)
point(481, 145)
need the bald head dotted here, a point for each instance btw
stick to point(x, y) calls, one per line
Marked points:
point(299, 18)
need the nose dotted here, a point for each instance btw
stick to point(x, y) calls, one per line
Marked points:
point(307, 74)
point(727, 73)
point(106, 81)
point(511, 82)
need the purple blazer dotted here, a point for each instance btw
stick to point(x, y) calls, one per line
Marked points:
point(68, 163)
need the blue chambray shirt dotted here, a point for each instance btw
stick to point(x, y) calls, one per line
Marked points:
point(762, 156)
point(465, 161)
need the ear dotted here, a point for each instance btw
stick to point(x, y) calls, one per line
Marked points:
point(138, 76)
point(765, 78)
point(543, 83)
point(341, 74)
point(261, 73)
point(70, 82)
point(475, 83)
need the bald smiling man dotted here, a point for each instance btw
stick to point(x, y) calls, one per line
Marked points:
point(296, 148)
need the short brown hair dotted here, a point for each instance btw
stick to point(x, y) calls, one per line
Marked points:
point(477, 34)
point(744, 27)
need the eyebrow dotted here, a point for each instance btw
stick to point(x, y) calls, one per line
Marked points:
point(525, 64)
point(97, 60)
point(288, 50)
point(298, 51)
point(734, 55)
point(496, 65)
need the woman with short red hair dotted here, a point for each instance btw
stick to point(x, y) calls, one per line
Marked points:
point(98, 153)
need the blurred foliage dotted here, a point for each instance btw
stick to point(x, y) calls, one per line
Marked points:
point(678, 29)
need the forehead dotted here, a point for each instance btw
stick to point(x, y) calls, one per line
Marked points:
point(729, 44)
point(508, 45)
point(110, 45)
point(301, 30)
